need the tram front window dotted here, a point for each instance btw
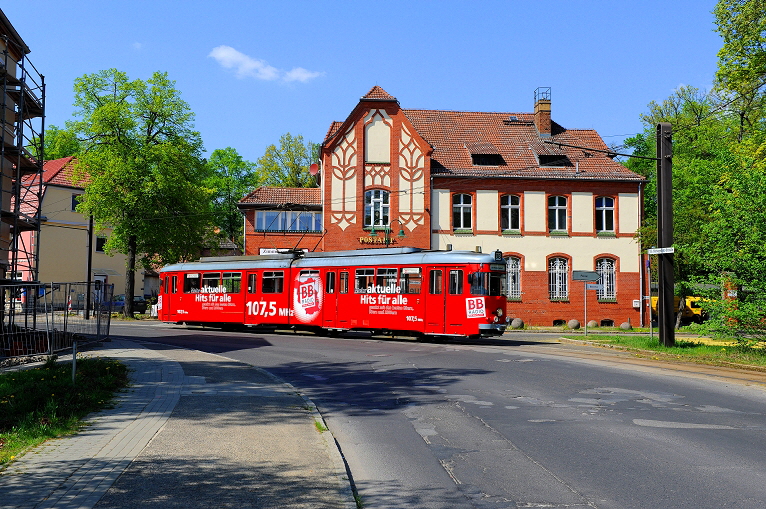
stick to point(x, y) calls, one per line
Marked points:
point(487, 283)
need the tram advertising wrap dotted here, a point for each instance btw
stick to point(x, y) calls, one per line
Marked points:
point(454, 293)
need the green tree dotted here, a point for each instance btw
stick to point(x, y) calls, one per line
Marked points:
point(231, 178)
point(288, 165)
point(700, 134)
point(741, 75)
point(60, 143)
point(719, 173)
point(141, 159)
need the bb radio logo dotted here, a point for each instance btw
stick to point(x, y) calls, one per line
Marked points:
point(307, 298)
point(475, 308)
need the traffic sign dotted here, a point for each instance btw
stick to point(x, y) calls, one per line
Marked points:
point(585, 275)
point(661, 250)
point(593, 286)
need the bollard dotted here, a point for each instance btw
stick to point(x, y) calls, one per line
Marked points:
point(74, 359)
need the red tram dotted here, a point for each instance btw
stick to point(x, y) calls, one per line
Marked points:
point(454, 293)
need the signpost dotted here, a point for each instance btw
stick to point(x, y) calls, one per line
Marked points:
point(589, 277)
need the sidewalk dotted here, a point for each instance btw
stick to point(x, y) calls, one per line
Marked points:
point(193, 430)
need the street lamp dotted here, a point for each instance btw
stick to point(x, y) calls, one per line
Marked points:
point(387, 231)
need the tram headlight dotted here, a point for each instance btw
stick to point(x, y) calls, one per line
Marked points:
point(496, 319)
point(499, 312)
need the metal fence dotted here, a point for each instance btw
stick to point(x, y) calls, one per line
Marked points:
point(45, 318)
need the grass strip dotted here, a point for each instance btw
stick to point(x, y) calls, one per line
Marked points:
point(42, 403)
point(705, 351)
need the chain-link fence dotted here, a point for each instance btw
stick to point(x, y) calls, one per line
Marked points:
point(44, 318)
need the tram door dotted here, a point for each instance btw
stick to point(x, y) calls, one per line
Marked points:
point(435, 308)
point(330, 304)
point(251, 297)
point(169, 298)
point(455, 301)
point(445, 304)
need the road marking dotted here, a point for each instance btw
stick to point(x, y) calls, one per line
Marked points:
point(678, 425)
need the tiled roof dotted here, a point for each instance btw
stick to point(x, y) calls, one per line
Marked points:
point(55, 172)
point(60, 172)
point(378, 94)
point(510, 138)
point(284, 196)
point(333, 129)
point(454, 135)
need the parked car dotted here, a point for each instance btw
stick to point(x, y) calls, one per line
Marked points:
point(139, 303)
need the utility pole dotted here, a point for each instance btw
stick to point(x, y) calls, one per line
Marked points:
point(665, 305)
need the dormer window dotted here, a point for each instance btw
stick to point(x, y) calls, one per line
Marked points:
point(553, 160)
point(484, 154)
point(487, 159)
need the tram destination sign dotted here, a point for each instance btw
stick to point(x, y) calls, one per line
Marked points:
point(585, 275)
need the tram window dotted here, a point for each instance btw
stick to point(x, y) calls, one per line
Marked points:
point(252, 279)
point(455, 282)
point(273, 282)
point(343, 282)
point(411, 279)
point(330, 282)
point(191, 283)
point(174, 284)
point(210, 280)
point(164, 288)
point(386, 280)
point(435, 282)
point(487, 283)
point(365, 278)
point(232, 281)
point(478, 282)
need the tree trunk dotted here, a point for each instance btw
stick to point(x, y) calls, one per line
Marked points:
point(130, 276)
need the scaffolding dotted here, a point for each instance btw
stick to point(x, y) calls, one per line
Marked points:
point(22, 96)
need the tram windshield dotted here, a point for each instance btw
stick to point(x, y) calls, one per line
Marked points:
point(487, 283)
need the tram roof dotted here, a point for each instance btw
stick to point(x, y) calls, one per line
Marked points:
point(364, 257)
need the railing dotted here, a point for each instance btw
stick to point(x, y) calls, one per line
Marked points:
point(44, 318)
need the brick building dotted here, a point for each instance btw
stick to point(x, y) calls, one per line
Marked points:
point(439, 179)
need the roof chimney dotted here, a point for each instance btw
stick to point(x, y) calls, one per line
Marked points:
point(543, 111)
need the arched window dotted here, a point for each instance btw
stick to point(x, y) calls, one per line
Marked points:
point(461, 211)
point(557, 213)
point(510, 212)
point(604, 214)
point(606, 269)
point(514, 277)
point(558, 277)
point(375, 208)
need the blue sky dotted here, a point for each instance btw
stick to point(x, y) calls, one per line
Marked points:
point(254, 70)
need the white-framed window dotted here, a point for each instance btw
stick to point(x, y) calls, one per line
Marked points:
point(558, 278)
point(514, 277)
point(604, 214)
point(288, 220)
point(510, 212)
point(461, 211)
point(607, 271)
point(100, 243)
point(376, 205)
point(557, 213)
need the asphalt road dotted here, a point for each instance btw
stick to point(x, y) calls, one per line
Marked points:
point(521, 421)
